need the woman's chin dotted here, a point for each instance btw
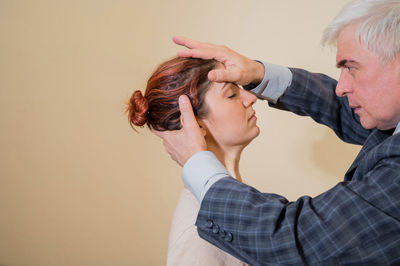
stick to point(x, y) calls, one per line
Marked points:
point(256, 133)
point(253, 136)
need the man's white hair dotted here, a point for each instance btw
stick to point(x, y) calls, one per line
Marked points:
point(378, 26)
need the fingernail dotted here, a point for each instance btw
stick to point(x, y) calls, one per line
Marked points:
point(183, 99)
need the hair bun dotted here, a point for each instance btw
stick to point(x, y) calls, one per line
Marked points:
point(137, 109)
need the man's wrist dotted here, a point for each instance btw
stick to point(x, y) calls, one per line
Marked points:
point(275, 82)
point(259, 73)
point(201, 171)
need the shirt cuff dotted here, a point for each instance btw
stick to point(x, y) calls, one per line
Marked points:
point(201, 171)
point(274, 84)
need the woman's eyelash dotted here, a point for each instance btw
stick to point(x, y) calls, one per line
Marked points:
point(233, 95)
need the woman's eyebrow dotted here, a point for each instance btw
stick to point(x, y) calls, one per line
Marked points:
point(224, 86)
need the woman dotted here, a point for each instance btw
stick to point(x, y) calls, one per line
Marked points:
point(226, 117)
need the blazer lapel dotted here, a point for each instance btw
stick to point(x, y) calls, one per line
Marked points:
point(375, 138)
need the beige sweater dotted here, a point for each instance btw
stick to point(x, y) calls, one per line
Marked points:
point(185, 247)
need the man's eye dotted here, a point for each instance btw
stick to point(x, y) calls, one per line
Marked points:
point(232, 96)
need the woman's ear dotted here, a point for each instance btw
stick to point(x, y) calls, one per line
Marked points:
point(203, 127)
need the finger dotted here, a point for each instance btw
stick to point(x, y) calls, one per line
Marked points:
point(165, 135)
point(181, 119)
point(189, 43)
point(203, 53)
point(216, 53)
point(160, 134)
point(187, 112)
point(223, 75)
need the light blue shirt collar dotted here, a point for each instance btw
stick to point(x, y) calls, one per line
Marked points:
point(397, 130)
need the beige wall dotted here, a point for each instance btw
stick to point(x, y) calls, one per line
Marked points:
point(77, 185)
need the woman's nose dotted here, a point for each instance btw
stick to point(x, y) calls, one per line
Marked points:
point(248, 98)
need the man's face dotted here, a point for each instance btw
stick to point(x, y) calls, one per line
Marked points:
point(372, 88)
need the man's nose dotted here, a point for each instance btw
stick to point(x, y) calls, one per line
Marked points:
point(343, 86)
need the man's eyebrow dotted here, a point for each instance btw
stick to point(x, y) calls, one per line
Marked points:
point(344, 62)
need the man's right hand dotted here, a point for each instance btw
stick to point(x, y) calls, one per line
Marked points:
point(238, 68)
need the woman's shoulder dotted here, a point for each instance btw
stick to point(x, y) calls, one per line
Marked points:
point(184, 216)
point(185, 247)
point(186, 209)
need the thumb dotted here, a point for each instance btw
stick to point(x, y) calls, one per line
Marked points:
point(221, 75)
point(187, 115)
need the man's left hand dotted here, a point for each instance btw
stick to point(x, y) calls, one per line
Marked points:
point(184, 143)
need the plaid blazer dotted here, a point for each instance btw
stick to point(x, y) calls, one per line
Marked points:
point(357, 222)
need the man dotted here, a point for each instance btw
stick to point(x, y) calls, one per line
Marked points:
point(357, 221)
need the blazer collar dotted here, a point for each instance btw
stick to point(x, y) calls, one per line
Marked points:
point(373, 139)
point(397, 130)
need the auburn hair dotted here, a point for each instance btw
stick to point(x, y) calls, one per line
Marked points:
point(158, 107)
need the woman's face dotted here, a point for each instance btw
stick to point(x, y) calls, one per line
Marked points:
point(231, 119)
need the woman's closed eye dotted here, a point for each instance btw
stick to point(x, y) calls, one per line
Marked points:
point(234, 91)
point(232, 95)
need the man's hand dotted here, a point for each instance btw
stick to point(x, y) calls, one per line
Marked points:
point(238, 68)
point(184, 143)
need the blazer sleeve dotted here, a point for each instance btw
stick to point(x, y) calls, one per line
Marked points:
point(312, 94)
point(354, 223)
point(357, 222)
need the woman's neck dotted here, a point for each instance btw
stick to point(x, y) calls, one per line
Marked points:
point(229, 157)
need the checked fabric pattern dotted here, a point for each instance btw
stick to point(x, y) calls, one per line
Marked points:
point(357, 222)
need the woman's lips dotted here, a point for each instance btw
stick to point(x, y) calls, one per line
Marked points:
point(253, 116)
